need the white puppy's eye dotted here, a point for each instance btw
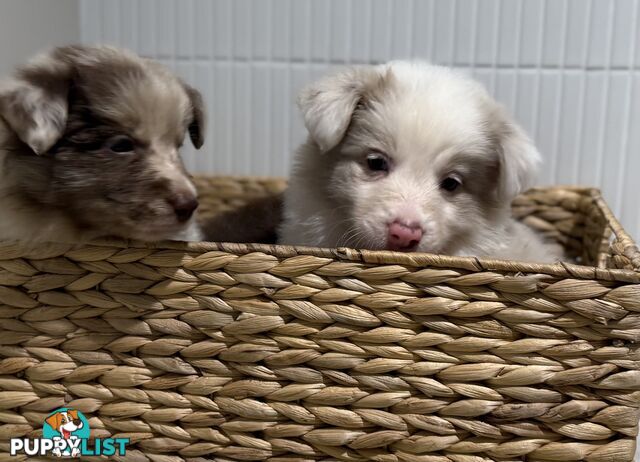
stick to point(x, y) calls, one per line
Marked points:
point(120, 144)
point(377, 162)
point(450, 184)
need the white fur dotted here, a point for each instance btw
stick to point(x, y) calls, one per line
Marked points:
point(431, 121)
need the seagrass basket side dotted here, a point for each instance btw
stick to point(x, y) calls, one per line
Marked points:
point(620, 250)
point(232, 352)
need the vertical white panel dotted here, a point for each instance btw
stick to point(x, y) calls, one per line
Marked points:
point(320, 30)
point(90, 21)
point(548, 125)
point(127, 12)
point(242, 29)
point(624, 27)
point(568, 128)
point(614, 136)
point(579, 19)
point(339, 31)
point(487, 27)
point(360, 29)
point(635, 37)
point(444, 31)
point(301, 21)
point(241, 120)
point(424, 29)
point(147, 25)
point(510, 31)
point(261, 25)
point(531, 31)
point(526, 92)
point(555, 31)
point(223, 148)
point(465, 26)
point(111, 19)
point(601, 32)
point(203, 33)
point(630, 211)
point(279, 119)
point(166, 28)
point(592, 129)
point(505, 88)
point(281, 31)
point(380, 32)
point(402, 29)
point(222, 28)
point(260, 153)
point(184, 26)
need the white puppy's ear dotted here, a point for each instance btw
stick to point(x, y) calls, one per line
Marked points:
point(34, 102)
point(328, 104)
point(519, 161)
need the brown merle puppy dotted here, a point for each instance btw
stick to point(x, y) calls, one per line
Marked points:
point(89, 147)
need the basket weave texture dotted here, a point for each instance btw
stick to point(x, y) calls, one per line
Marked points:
point(209, 351)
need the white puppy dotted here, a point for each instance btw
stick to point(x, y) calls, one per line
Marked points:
point(409, 156)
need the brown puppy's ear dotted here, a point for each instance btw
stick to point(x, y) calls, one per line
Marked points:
point(34, 102)
point(54, 421)
point(198, 122)
point(328, 104)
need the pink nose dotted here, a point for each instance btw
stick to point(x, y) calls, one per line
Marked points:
point(403, 237)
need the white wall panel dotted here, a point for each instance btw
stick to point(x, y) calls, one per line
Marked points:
point(568, 69)
point(29, 26)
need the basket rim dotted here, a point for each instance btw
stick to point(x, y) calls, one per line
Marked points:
point(414, 259)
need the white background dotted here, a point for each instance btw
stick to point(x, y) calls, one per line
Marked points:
point(26, 26)
point(568, 69)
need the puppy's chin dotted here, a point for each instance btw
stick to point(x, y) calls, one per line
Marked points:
point(149, 231)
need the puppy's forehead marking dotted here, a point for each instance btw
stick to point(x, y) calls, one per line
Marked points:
point(429, 112)
point(143, 97)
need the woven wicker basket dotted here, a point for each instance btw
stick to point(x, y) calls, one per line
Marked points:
point(254, 352)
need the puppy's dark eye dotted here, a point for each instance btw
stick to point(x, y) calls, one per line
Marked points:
point(121, 144)
point(450, 184)
point(377, 162)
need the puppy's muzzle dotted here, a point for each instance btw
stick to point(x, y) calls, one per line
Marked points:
point(184, 204)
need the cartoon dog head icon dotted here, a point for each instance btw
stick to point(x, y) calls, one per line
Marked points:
point(65, 422)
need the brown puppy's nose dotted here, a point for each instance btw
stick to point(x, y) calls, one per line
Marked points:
point(183, 206)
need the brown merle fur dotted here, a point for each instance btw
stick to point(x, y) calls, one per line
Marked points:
point(57, 172)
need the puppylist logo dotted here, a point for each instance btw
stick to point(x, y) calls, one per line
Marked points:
point(66, 434)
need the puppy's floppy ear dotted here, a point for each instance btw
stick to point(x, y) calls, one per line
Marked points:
point(54, 421)
point(519, 161)
point(328, 104)
point(198, 122)
point(34, 103)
